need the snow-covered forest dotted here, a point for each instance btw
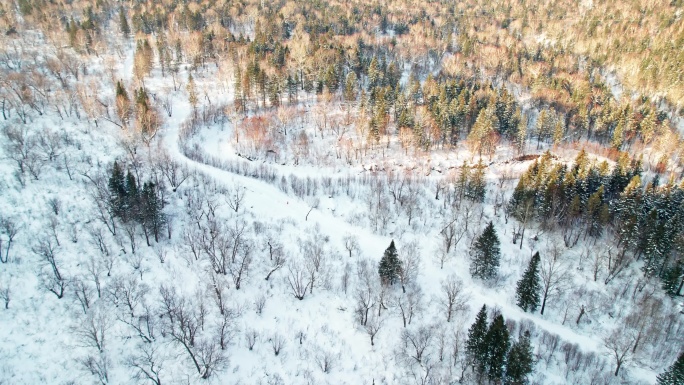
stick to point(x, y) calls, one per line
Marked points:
point(381, 192)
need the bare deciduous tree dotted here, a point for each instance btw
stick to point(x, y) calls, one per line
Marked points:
point(98, 366)
point(235, 196)
point(225, 326)
point(372, 326)
point(314, 252)
point(620, 344)
point(277, 262)
point(298, 279)
point(240, 264)
point(147, 363)
point(84, 293)
point(6, 290)
point(351, 244)
point(409, 304)
point(251, 337)
point(325, 359)
point(51, 275)
point(183, 322)
point(553, 273)
point(9, 229)
point(365, 300)
point(277, 343)
point(91, 330)
point(453, 298)
point(410, 264)
point(346, 277)
point(415, 342)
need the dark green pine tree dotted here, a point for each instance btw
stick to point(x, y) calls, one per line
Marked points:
point(152, 215)
point(485, 254)
point(131, 210)
point(123, 23)
point(520, 361)
point(527, 291)
point(673, 278)
point(477, 185)
point(476, 345)
point(117, 191)
point(121, 90)
point(390, 265)
point(498, 343)
point(674, 375)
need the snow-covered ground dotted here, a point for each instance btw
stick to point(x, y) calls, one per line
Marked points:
point(44, 339)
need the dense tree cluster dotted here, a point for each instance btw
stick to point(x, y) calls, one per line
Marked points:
point(493, 356)
point(587, 199)
point(129, 203)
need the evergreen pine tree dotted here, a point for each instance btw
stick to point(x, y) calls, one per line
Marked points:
point(131, 199)
point(481, 138)
point(498, 343)
point(476, 187)
point(520, 361)
point(462, 180)
point(527, 290)
point(117, 190)
point(350, 88)
point(476, 345)
point(151, 211)
point(390, 265)
point(674, 375)
point(485, 254)
point(672, 279)
point(123, 23)
point(192, 93)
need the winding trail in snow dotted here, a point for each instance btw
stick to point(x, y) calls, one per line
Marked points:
point(267, 200)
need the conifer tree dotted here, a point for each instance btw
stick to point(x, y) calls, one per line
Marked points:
point(151, 215)
point(527, 290)
point(462, 180)
point(390, 265)
point(520, 361)
point(117, 190)
point(131, 199)
point(192, 93)
point(521, 133)
point(476, 187)
point(674, 375)
point(482, 137)
point(498, 343)
point(673, 278)
point(350, 88)
point(485, 254)
point(476, 345)
point(123, 23)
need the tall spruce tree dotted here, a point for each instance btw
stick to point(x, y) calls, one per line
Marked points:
point(674, 375)
point(117, 190)
point(520, 361)
point(498, 343)
point(476, 345)
point(527, 291)
point(131, 209)
point(123, 22)
point(673, 279)
point(152, 216)
point(477, 186)
point(390, 265)
point(485, 254)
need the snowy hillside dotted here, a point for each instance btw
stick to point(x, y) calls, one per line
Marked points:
point(152, 232)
